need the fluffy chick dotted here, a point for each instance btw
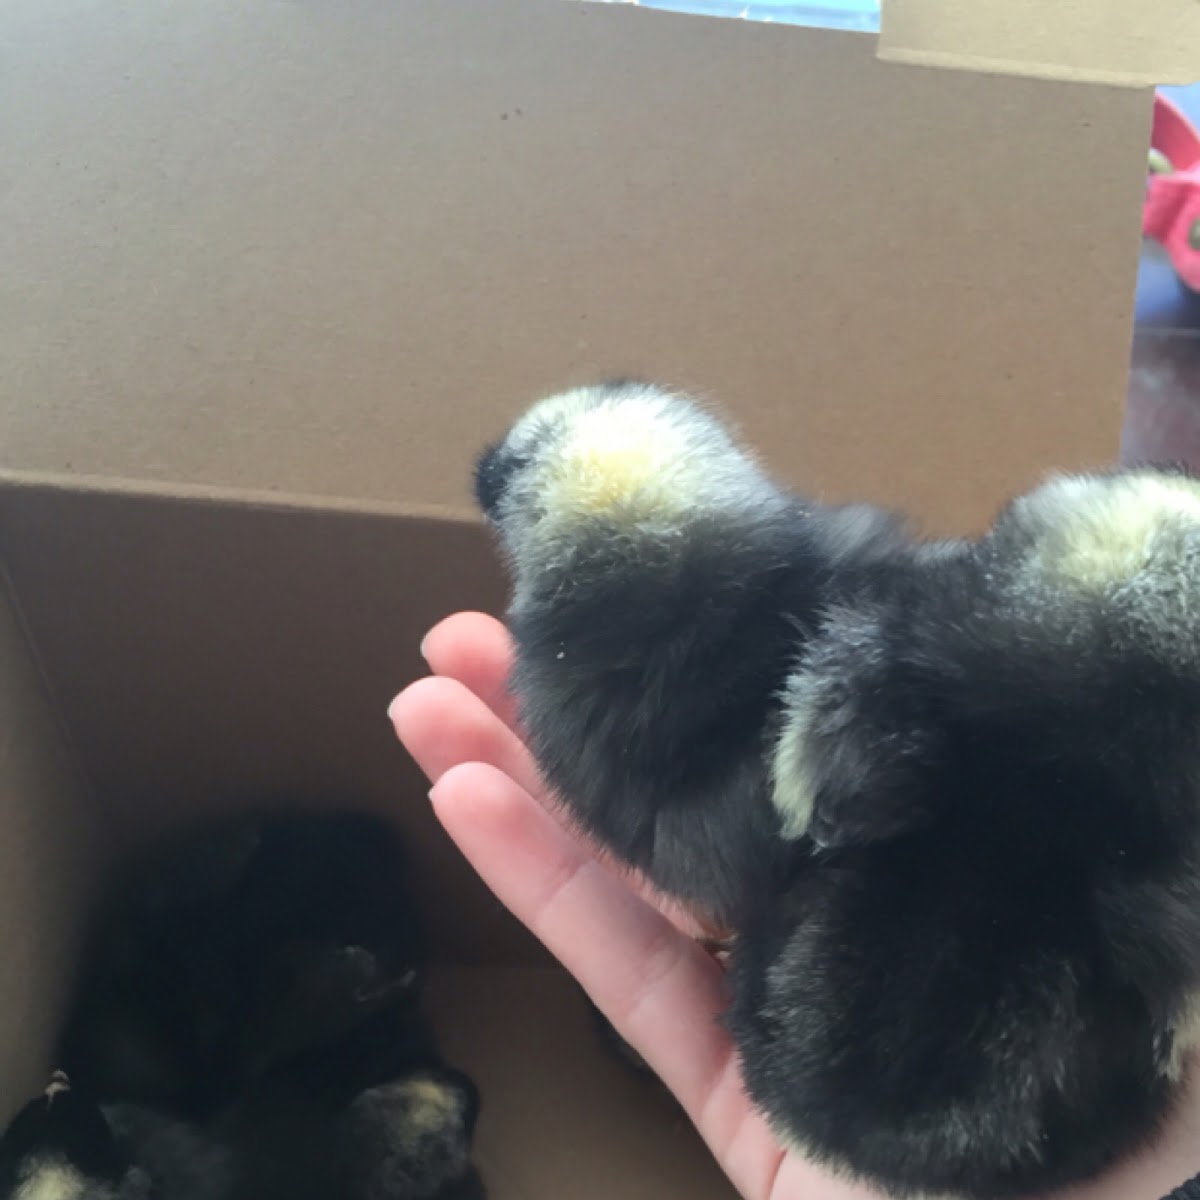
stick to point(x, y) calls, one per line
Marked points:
point(944, 793)
point(409, 1139)
point(243, 946)
point(60, 1147)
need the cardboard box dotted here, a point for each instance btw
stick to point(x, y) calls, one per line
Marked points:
point(271, 273)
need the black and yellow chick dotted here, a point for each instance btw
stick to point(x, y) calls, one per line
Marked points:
point(249, 945)
point(406, 1140)
point(59, 1146)
point(942, 793)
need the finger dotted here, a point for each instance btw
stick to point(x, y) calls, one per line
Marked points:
point(476, 650)
point(797, 1177)
point(661, 991)
point(442, 722)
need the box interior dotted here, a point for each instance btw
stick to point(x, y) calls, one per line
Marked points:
point(180, 700)
point(274, 274)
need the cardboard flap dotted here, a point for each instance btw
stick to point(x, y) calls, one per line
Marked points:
point(335, 248)
point(1101, 41)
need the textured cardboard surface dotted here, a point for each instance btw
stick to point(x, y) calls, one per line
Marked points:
point(1111, 41)
point(206, 654)
point(324, 249)
point(572, 1122)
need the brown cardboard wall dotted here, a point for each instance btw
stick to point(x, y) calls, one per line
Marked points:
point(566, 1122)
point(208, 654)
point(1101, 40)
point(52, 849)
point(324, 249)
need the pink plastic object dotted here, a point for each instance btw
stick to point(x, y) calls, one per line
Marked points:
point(1171, 215)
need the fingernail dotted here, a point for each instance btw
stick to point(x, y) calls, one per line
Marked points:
point(424, 644)
point(391, 711)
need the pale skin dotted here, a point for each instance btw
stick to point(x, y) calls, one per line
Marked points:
point(632, 953)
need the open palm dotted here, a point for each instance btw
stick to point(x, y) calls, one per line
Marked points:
point(635, 956)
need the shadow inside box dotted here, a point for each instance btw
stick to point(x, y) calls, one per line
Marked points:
point(1162, 412)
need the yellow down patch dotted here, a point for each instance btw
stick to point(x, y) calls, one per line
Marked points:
point(1102, 532)
point(622, 460)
